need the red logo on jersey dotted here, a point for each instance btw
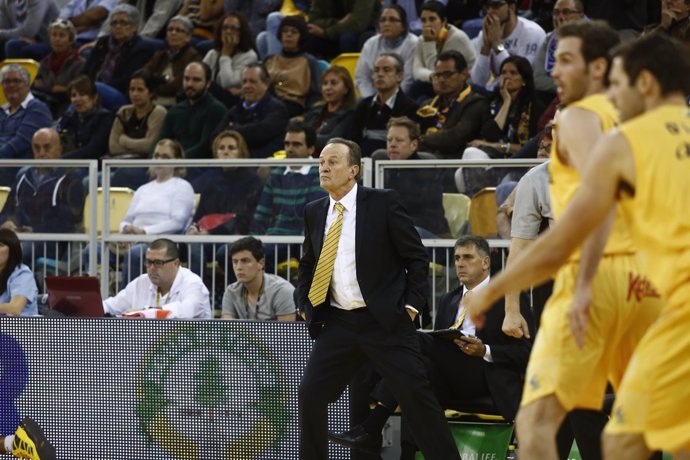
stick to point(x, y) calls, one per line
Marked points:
point(640, 287)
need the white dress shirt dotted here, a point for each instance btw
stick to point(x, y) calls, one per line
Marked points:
point(468, 327)
point(345, 291)
point(187, 298)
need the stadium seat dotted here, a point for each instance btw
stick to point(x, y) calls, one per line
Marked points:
point(483, 213)
point(29, 64)
point(347, 60)
point(4, 193)
point(120, 197)
point(288, 8)
point(456, 208)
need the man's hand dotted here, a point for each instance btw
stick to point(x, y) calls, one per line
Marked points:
point(579, 314)
point(493, 31)
point(316, 30)
point(514, 325)
point(471, 346)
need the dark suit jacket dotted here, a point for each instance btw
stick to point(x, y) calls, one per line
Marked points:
point(392, 263)
point(505, 375)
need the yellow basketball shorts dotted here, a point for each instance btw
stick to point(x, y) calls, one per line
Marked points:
point(624, 305)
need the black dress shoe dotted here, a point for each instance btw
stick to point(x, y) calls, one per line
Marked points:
point(357, 438)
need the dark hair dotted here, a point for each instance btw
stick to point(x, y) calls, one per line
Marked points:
point(401, 12)
point(459, 59)
point(411, 125)
point(14, 258)
point(246, 41)
point(353, 150)
point(297, 21)
point(171, 250)
point(263, 72)
point(206, 67)
point(344, 75)
point(597, 38)
point(150, 82)
point(301, 127)
point(473, 240)
point(399, 63)
point(666, 58)
point(435, 7)
point(84, 85)
point(524, 68)
point(251, 244)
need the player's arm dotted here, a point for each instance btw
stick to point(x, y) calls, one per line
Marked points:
point(514, 324)
point(588, 209)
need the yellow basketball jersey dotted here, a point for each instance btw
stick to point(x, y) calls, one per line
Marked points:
point(565, 179)
point(658, 211)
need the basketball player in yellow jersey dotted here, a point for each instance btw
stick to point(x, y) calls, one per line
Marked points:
point(568, 372)
point(645, 164)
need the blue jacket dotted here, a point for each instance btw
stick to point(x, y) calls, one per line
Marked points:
point(16, 130)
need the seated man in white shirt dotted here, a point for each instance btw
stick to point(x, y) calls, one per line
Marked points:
point(256, 294)
point(165, 291)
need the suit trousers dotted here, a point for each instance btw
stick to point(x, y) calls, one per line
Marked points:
point(347, 340)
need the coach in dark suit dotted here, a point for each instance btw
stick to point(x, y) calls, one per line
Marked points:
point(378, 278)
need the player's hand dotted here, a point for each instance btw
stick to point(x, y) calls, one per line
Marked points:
point(514, 325)
point(578, 316)
point(471, 346)
point(476, 303)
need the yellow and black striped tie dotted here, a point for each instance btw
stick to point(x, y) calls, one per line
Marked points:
point(463, 311)
point(324, 267)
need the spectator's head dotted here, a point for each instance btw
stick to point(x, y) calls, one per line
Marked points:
point(292, 33)
point(450, 73)
point(503, 10)
point(142, 89)
point(299, 140)
point(516, 74)
point(393, 22)
point(255, 82)
point(15, 84)
point(679, 10)
point(402, 138)
point(340, 165)
point(388, 73)
point(545, 141)
point(10, 256)
point(83, 94)
point(162, 263)
point(62, 35)
point(124, 22)
point(229, 145)
point(248, 259)
point(167, 149)
point(565, 11)
point(583, 58)
point(472, 260)
point(179, 32)
point(433, 17)
point(337, 87)
point(196, 80)
point(46, 144)
point(233, 31)
point(646, 70)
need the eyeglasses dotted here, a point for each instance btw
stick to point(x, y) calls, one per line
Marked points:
point(62, 23)
point(565, 12)
point(445, 75)
point(177, 30)
point(119, 22)
point(12, 81)
point(231, 28)
point(389, 19)
point(158, 263)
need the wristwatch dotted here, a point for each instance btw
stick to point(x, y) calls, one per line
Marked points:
point(506, 147)
point(499, 49)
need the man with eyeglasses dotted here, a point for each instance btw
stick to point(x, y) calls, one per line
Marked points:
point(503, 33)
point(165, 291)
point(675, 20)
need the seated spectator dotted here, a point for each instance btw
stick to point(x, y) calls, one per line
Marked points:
point(160, 207)
point(167, 65)
point(260, 117)
point(675, 20)
point(23, 22)
point(373, 112)
point(153, 18)
point(437, 36)
point(481, 364)
point(268, 41)
point(117, 56)
point(257, 11)
point(232, 52)
point(85, 127)
point(335, 27)
point(421, 190)
point(203, 14)
point(515, 110)
point(294, 74)
point(165, 291)
point(227, 202)
point(21, 116)
point(62, 65)
point(256, 295)
point(191, 122)
point(456, 114)
point(18, 290)
point(334, 115)
point(503, 34)
point(393, 37)
point(45, 200)
point(137, 125)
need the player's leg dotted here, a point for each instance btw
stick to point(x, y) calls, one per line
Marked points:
point(632, 444)
point(537, 424)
